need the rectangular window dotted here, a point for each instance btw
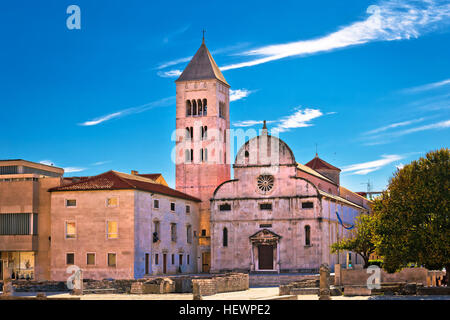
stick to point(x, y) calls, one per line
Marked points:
point(188, 259)
point(156, 204)
point(203, 233)
point(90, 259)
point(172, 206)
point(147, 263)
point(173, 258)
point(71, 230)
point(156, 233)
point(111, 260)
point(225, 207)
point(265, 226)
point(180, 259)
point(265, 206)
point(112, 202)
point(173, 232)
point(17, 223)
point(307, 205)
point(188, 209)
point(71, 203)
point(156, 258)
point(189, 234)
point(113, 229)
point(70, 258)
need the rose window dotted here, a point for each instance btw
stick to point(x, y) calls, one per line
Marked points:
point(265, 183)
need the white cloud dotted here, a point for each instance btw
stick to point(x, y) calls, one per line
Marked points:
point(99, 163)
point(73, 169)
point(388, 21)
point(370, 166)
point(250, 123)
point(239, 94)
point(159, 103)
point(47, 162)
point(428, 86)
point(400, 166)
point(173, 62)
point(394, 125)
point(433, 126)
point(301, 118)
point(169, 74)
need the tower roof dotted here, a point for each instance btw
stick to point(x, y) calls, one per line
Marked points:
point(202, 67)
point(318, 163)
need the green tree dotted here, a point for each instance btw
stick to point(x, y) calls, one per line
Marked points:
point(412, 222)
point(360, 240)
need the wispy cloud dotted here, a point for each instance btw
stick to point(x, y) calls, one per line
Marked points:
point(173, 62)
point(394, 125)
point(239, 94)
point(159, 103)
point(99, 163)
point(181, 30)
point(66, 169)
point(388, 21)
point(169, 74)
point(299, 119)
point(386, 137)
point(426, 87)
point(73, 169)
point(250, 123)
point(370, 166)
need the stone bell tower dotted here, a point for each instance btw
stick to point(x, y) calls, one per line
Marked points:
point(202, 123)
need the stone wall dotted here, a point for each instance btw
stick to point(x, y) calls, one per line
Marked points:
point(359, 277)
point(220, 284)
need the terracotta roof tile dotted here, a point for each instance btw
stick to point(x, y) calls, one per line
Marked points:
point(318, 163)
point(113, 180)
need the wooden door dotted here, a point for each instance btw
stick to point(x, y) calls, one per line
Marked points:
point(265, 257)
point(147, 263)
point(206, 260)
point(164, 263)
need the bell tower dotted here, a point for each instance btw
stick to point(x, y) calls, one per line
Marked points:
point(202, 137)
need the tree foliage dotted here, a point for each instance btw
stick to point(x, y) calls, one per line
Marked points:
point(412, 222)
point(360, 240)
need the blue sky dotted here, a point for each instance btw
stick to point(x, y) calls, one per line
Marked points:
point(367, 81)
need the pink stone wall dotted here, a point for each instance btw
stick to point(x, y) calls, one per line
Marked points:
point(91, 215)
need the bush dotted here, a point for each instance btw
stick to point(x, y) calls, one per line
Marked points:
point(376, 263)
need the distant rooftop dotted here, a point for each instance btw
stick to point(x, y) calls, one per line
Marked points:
point(20, 166)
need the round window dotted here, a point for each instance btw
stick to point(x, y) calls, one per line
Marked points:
point(265, 183)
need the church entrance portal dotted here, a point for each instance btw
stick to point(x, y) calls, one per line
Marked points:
point(265, 257)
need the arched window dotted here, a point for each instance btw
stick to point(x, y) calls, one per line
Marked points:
point(225, 237)
point(204, 133)
point(188, 133)
point(200, 109)
point(307, 235)
point(205, 102)
point(188, 108)
point(194, 108)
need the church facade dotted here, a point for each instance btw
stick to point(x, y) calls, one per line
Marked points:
point(276, 215)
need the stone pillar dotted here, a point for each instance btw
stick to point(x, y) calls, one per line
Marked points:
point(337, 275)
point(252, 266)
point(278, 256)
point(324, 291)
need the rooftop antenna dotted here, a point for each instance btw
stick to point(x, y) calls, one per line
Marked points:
point(369, 188)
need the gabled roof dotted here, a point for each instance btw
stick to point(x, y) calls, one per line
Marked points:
point(113, 180)
point(318, 163)
point(340, 199)
point(202, 67)
point(313, 172)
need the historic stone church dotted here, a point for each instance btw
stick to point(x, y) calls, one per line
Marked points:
point(275, 215)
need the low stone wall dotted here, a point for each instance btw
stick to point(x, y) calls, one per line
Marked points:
point(38, 286)
point(275, 280)
point(157, 286)
point(219, 284)
point(359, 277)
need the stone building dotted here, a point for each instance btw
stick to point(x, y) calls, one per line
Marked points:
point(202, 126)
point(278, 215)
point(25, 217)
point(123, 226)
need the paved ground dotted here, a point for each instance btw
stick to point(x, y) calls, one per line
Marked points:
point(251, 294)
